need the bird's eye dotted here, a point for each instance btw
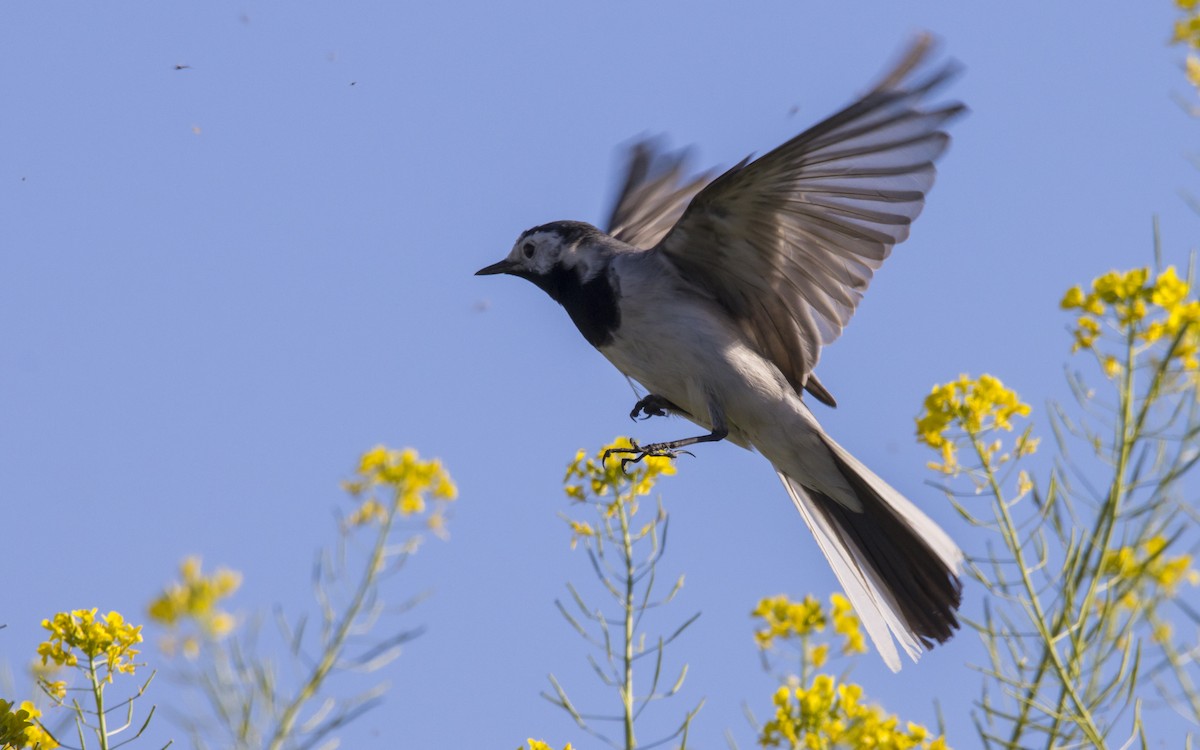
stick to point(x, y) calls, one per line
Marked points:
point(527, 249)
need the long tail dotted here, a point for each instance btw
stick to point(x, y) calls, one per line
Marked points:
point(898, 568)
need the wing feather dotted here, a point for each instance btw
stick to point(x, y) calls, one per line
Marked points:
point(653, 194)
point(789, 243)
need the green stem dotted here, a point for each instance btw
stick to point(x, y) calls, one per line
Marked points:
point(1101, 537)
point(1040, 621)
point(333, 648)
point(98, 695)
point(629, 608)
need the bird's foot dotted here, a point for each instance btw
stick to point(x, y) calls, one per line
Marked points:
point(639, 452)
point(652, 406)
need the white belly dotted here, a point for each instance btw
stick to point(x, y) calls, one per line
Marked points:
point(686, 356)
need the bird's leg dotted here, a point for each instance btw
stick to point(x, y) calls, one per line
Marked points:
point(653, 406)
point(671, 448)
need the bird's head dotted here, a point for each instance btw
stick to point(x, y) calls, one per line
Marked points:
point(550, 250)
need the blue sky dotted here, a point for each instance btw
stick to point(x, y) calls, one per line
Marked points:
point(219, 285)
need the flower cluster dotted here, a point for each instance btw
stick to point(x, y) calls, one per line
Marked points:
point(975, 407)
point(827, 714)
point(1142, 309)
point(784, 619)
point(1147, 572)
point(195, 600)
point(1187, 32)
point(408, 484)
point(539, 745)
point(603, 482)
point(599, 476)
point(79, 633)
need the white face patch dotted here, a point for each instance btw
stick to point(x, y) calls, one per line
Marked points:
point(537, 252)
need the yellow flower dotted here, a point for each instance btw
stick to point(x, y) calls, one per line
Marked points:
point(975, 406)
point(1187, 30)
point(410, 503)
point(56, 689)
point(406, 483)
point(1112, 367)
point(436, 522)
point(1024, 484)
point(847, 624)
point(1026, 445)
point(784, 618)
point(370, 511)
point(1147, 571)
point(35, 735)
point(601, 476)
point(1169, 290)
point(195, 599)
point(1072, 299)
point(828, 714)
point(79, 633)
point(818, 655)
point(1135, 306)
point(579, 530)
point(539, 745)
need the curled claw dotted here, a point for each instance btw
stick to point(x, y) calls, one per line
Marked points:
point(652, 406)
point(655, 450)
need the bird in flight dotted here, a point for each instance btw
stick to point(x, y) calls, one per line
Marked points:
point(717, 295)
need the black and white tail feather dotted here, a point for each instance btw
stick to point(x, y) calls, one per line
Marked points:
point(897, 567)
point(717, 295)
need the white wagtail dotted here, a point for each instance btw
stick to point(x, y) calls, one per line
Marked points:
point(720, 312)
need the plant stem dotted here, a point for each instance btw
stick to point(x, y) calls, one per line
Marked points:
point(98, 695)
point(1049, 651)
point(333, 648)
point(629, 609)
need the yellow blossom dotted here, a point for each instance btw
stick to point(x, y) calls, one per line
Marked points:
point(784, 618)
point(601, 477)
point(371, 511)
point(79, 633)
point(396, 481)
point(828, 714)
point(1024, 484)
point(847, 624)
point(579, 530)
point(195, 599)
point(1026, 445)
point(436, 522)
point(56, 689)
point(1072, 299)
point(539, 745)
point(35, 734)
point(1138, 307)
point(974, 406)
point(818, 655)
point(1187, 31)
point(1147, 572)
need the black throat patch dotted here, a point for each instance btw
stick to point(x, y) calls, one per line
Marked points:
point(591, 305)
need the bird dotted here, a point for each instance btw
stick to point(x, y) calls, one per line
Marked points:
point(717, 294)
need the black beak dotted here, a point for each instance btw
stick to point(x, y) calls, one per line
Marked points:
point(503, 266)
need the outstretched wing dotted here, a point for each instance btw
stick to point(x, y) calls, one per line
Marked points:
point(653, 195)
point(788, 243)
